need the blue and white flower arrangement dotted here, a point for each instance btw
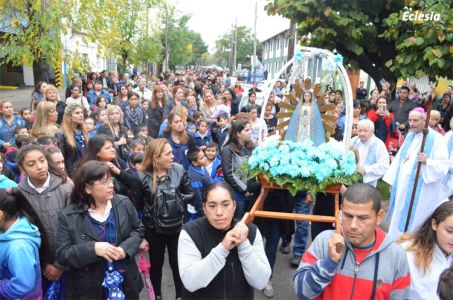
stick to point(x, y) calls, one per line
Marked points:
point(301, 166)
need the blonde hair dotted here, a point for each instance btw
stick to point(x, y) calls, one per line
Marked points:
point(153, 151)
point(204, 105)
point(49, 88)
point(3, 102)
point(110, 110)
point(66, 125)
point(42, 127)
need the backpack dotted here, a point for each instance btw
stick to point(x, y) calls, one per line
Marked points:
point(168, 209)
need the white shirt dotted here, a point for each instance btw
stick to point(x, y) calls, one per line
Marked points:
point(146, 94)
point(376, 170)
point(424, 285)
point(43, 188)
point(101, 217)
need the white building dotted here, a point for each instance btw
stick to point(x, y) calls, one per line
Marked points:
point(275, 52)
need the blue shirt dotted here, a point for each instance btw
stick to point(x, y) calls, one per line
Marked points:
point(7, 130)
point(92, 97)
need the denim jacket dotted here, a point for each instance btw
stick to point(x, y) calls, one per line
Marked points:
point(7, 132)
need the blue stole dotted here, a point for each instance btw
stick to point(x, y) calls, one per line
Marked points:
point(428, 148)
point(450, 153)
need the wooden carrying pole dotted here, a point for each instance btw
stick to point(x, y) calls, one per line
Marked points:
point(428, 106)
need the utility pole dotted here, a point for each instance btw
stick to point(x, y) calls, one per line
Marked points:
point(254, 43)
point(165, 67)
point(235, 46)
point(230, 53)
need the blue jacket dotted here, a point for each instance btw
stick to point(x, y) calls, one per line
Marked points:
point(200, 180)
point(92, 97)
point(6, 132)
point(216, 173)
point(222, 136)
point(5, 182)
point(202, 141)
point(180, 150)
point(20, 273)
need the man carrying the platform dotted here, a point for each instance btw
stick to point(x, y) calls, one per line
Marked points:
point(363, 263)
point(430, 192)
point(373, 155)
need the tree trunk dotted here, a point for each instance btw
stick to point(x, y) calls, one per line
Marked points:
point(40, 71)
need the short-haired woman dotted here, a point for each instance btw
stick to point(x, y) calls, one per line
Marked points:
point(98, 230)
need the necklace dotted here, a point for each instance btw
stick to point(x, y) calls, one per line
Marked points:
point(408, 155)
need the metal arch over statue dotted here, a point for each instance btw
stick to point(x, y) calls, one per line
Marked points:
point(305, 114)
point(324, 66)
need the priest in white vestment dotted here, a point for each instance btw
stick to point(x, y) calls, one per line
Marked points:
point(373, 155)
point(431, 191)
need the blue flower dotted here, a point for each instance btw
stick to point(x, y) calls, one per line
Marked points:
point(298, 56)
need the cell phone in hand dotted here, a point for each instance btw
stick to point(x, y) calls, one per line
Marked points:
point(384, 107)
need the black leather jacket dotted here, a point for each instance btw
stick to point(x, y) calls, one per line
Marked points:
point(176, 177)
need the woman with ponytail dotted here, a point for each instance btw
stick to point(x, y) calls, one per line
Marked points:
point(21, 233)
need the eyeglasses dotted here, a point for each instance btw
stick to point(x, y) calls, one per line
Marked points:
point(107, 181)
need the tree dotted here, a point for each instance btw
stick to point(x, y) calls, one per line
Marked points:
point(373, 35)
point(33, 30)
point(224, 46)
point(117, 26)
point(199, 48)
point(185, 46)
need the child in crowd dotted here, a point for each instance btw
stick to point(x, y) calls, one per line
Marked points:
point(28, 118)
point(20, 243)
point(445, 283)
point(135, 162)
point(101, 116)
point(101, 103)
point(214, 165)
point(141, 132)
point(11, 166)
point(223, 130)
point(145, 108)
point(138, 145)
point(192, 123)
point(202, 136)
point(221, 107)
point(22, 130)
point(90, 126)
point(200, 180)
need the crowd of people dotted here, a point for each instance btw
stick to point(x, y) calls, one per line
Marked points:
point(148, 164)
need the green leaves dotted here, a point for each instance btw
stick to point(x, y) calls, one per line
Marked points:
point(374, 35)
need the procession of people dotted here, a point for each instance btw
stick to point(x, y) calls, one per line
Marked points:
point(147, 165)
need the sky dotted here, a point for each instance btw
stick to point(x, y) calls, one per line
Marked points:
point(213, 18)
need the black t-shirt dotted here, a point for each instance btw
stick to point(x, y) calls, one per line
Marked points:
point(271, 124)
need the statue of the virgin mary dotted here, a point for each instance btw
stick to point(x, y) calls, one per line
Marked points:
point(306, 122)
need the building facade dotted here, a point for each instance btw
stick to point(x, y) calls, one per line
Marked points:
point(275, 52)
